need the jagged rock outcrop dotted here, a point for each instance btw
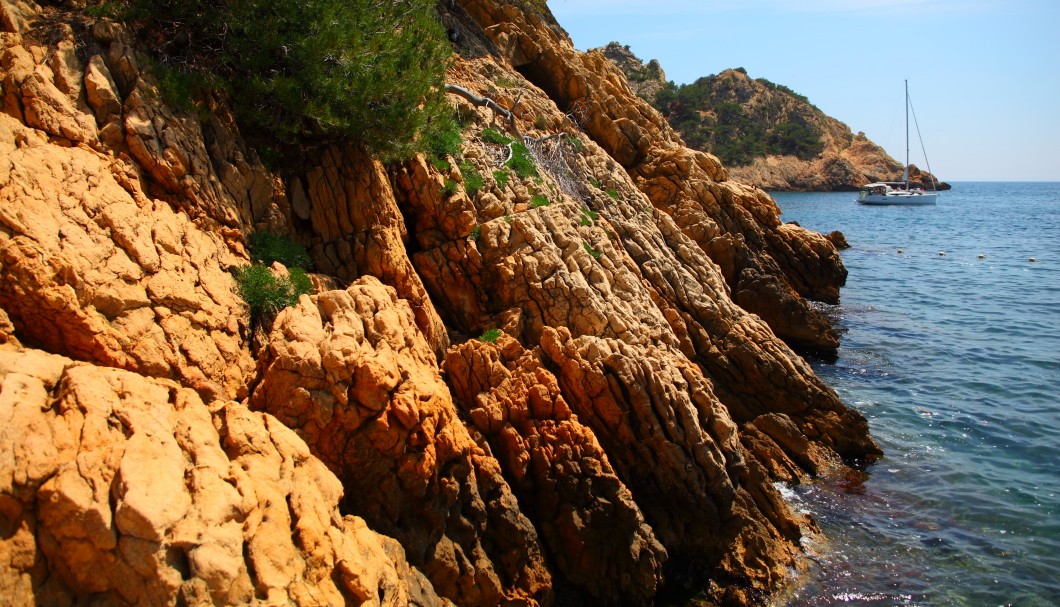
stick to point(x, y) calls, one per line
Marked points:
point(95, 267)
point(618, 444)
point(358, 229)
point(586, 514)
point(123, 490)
point(353, 375)
point(646, 79)
point(691, 186)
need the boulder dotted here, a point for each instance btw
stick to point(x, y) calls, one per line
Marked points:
point(121, 489)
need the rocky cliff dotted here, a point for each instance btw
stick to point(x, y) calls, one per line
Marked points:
point(617, 440)
point(768, 134)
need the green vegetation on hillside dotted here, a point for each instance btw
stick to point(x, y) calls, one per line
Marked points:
point(267, 293)
point(713, 114)
point(307, 71)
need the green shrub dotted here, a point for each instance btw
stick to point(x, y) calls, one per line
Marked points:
point(591, 251)
point(589, 216)
point(520, 162)
point(303, 285)
point(104, 9)
point(449, 188)
point(267, 247)
point(475, 232)
point(178, 85)
point(267, 294)
point(443, 140)
point(472, 178)
point(538, 200)
point(491, 336)
point(314, 70)
point(495, 137)
point(502, 178)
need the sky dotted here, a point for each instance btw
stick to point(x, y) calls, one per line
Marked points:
point(984, 75)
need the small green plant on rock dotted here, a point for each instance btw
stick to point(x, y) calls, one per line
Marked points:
point(475, 232)
point(494, 136)
point(502, 178)
point(443, 141)
point(589, 216)
point(472, 178)
point(538, 200)
point(491, 336)
point(268, 247)
point(520, 162)
point(265, 293)
point(591, 251)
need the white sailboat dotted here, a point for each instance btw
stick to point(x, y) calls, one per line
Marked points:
point(899, 192)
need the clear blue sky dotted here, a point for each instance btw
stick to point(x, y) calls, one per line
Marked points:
point(984, 75)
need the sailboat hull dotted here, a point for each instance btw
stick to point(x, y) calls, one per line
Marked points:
point(900, 199)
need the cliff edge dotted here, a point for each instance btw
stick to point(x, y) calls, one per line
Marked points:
point(612, 438)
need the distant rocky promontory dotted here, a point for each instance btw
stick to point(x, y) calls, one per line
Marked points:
point(765, 133)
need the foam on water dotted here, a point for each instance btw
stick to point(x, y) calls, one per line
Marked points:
point(955, 360)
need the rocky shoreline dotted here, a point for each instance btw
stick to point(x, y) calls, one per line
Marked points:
point(618, 443)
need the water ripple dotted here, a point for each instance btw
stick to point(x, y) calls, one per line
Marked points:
point(955, 361)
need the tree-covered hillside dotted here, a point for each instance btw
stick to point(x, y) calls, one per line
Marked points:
point(739, 119)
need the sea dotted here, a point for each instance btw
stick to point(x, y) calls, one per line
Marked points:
point(950, 329)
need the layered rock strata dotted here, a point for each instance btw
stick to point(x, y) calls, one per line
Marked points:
point(617, 444)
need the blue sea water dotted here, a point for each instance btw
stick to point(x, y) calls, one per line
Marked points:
point(951, 349)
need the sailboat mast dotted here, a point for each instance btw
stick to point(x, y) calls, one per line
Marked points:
point(905, 175)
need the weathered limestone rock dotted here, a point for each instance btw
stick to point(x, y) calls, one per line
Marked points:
point(348, 199)
point(95, 267)
point(120, 489)
point(691, 186)
point(586, 515)
point(99, 272)
point(349, 371)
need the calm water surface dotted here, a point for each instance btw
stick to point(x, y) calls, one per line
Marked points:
point(951, 348)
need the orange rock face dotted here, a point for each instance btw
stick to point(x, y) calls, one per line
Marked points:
point(128, 490)
point(351, 373)
point(586, 514)
point(619, 443)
